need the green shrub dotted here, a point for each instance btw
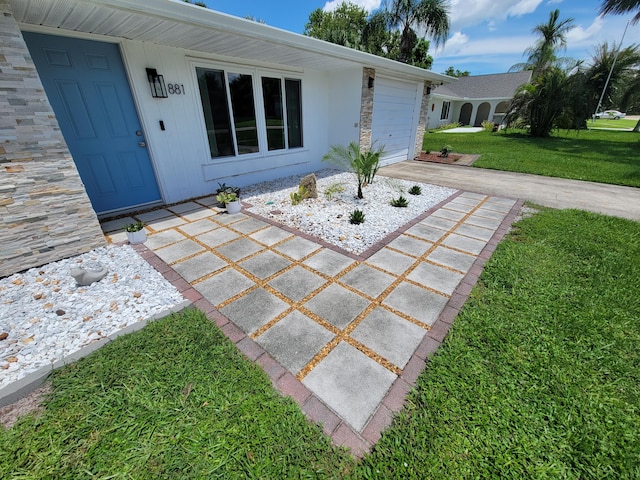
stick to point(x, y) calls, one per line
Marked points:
point(363, 163)
point(300, 195)
point(356, 217)
point(415, 190)
point(332, 189)
point(400, 202)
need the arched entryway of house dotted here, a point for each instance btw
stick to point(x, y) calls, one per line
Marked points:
point(483, 114)
point(501, 110)
point(465, 114)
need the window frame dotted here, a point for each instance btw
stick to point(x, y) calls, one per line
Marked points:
point(446, 110)
point(256, 73)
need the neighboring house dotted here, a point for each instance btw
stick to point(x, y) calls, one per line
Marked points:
point(473, 99)
point(158, 100)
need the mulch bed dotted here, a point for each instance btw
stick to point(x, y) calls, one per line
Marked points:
point(452, 159)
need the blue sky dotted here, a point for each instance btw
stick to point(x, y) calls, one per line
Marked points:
point(487, 36)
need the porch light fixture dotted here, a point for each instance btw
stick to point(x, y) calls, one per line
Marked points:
point(370, 83)
point(156, 82)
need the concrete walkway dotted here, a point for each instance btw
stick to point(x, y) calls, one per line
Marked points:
point(346, 336)
point(559, 193)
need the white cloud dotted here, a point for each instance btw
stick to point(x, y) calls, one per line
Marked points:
point(464, 13)
point(581, 35)
point(368, 5)
point(459, 44)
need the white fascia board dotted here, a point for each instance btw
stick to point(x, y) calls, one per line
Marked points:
point(180, 11)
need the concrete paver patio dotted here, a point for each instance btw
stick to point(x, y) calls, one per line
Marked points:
point(345, 335)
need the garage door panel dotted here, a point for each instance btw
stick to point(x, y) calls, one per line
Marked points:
point(394, 111)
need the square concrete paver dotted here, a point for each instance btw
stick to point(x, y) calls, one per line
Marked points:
point(294, 341)
point(337, 305)
point(481, 221)
point(184, 207)
point(179, 250)
point(391, 261)
point(265, 264)
point(466, 244)
point(253, 310)
point(410, 245)
point(367, 280)
point(224, 285)
point(217, 237)
point(389, 335)
point(297, 247)
point(162, 239)
point(416, 302)
point(197, 267)
point(199, 227)
point(329, 262)
point(452, 259)
point(426, 232)
point(490, 213)
point(453, 215)
point(198, 214)
point(350, 383)
point(297, 283)
point(239, 249)
point(439, 222)
point(438, 278)
point(474, 231)
point(249, 225)
point(117, 224)
point(166, 223)
point(154, 215)
point(270, 235)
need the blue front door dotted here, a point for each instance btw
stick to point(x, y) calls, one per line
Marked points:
point(90, 95)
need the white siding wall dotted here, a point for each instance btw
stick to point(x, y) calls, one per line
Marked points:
point(180, 153)
point(344, 90)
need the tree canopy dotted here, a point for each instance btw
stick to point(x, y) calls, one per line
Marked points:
point(388, 32)
point(620, 7)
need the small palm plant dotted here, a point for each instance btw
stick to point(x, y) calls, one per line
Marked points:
point(400, 202)
point(356, 217)
point(364, 163)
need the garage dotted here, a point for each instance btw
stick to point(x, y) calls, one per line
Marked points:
point(395, 116)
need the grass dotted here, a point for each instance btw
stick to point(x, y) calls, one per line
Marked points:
point(540, 375)
point(175, 400)
point(538, 378)
point(594, 155)
point(609, 123)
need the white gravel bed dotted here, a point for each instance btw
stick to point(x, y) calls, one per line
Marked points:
point(328, 218)
point(47, 317)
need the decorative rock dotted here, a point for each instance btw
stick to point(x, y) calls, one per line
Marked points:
point(90, 273)
point(309, 182)
point(3, 335)
point(60, 312)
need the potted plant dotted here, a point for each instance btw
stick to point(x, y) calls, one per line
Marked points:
point(230, 200)
point(136, 233)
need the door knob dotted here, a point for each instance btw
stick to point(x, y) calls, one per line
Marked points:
point(142, 144)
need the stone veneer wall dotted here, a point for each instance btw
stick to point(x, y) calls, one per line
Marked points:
point(422, 121)
point(45, 213)
point(366, 108)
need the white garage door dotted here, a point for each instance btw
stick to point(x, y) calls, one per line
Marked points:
point(394, 118)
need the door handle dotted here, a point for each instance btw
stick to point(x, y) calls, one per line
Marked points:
point(142, 144)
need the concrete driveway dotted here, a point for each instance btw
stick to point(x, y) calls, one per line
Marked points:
point(560, 193)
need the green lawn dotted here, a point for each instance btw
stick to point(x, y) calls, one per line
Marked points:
point(595, 155)
point(538, 378)
point(609, 123)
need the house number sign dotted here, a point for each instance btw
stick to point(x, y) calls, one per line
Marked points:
point(175, 89)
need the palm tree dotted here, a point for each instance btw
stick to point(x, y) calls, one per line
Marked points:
point(619, 7)
point(552, 37)
point(428, 15)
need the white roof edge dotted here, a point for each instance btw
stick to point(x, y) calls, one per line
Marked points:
point(204, 17)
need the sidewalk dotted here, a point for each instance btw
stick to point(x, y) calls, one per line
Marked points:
point(560, 193)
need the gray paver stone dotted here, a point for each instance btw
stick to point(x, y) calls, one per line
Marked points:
point(337, 305)
point(223, 286)
point(350, 383)
point(465, 244)
point(389, 335)
point(435, 277)
point(254, 310)
point(265, 264)
point(328, 262)
point(217, 237)
point(178, 250)
point(199, 227)
point(294, 340)
point(249, 225)
point(368, 280)
point(391, 261)
point(199, 266)
point(297, 283)
point(162, 239)
point(452, 259)
point(239, 249)
point(426, 232)
point(474, 231)
point(270, 236)
point(297, 247)
point(416, 302)
point(411, 246)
